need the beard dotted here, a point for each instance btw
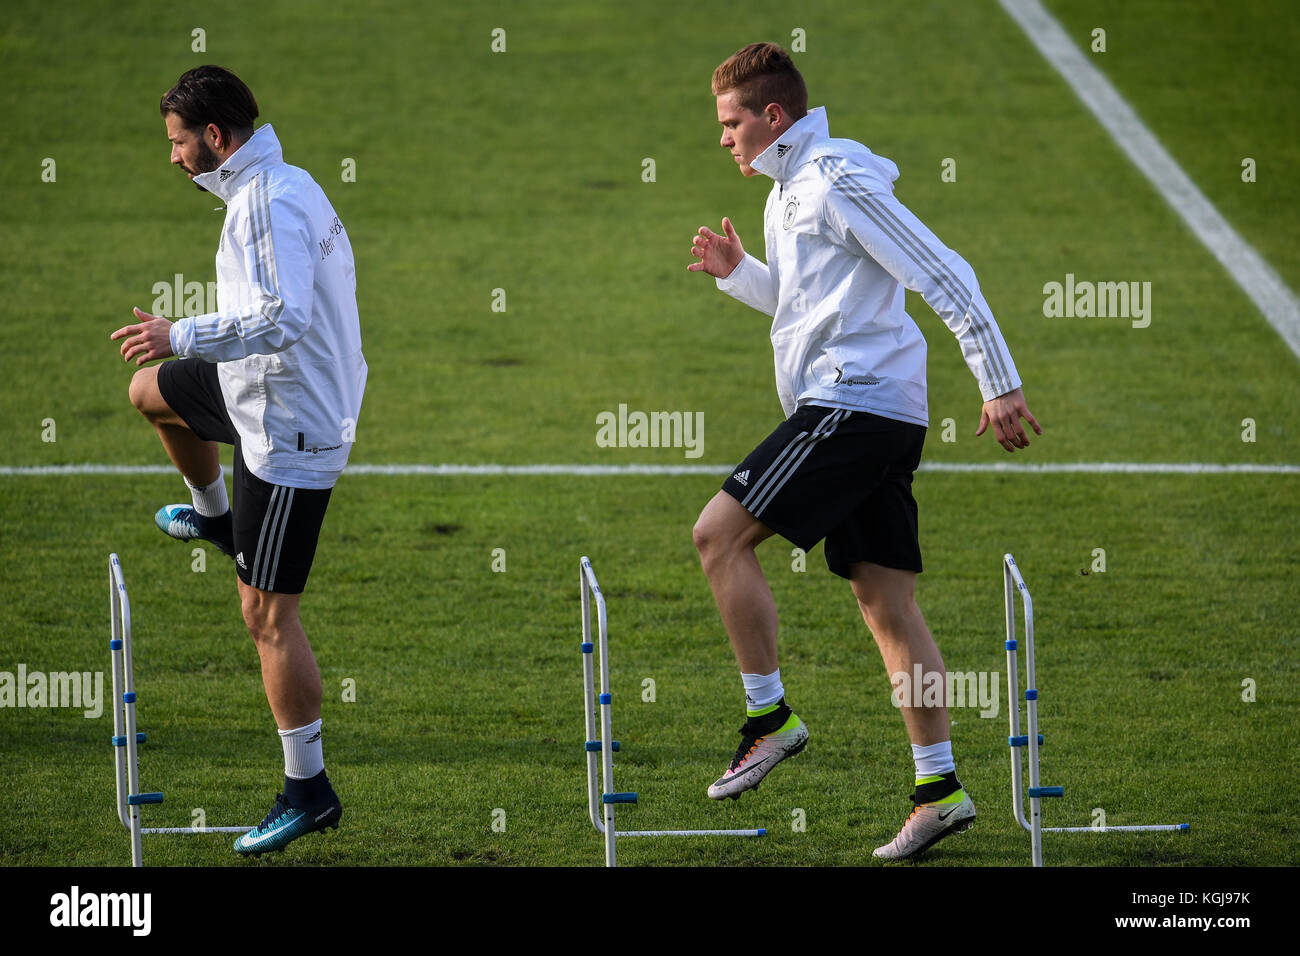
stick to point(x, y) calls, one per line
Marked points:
point(205, 162)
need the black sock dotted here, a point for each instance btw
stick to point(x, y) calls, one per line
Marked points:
point(220, 529)
point(223, 522)
point(769, 723)
point(947, 785)
point(312, 792)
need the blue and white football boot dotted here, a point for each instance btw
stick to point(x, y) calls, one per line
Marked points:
point(183, 523)
point(284, 824)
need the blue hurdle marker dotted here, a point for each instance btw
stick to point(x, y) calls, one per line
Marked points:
point(126, 739)
point(1031, 741)
point(600, 792)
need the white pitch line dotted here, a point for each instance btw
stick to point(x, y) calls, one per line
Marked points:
point(1114, 467)
point(580, 471)
point(1247, 267)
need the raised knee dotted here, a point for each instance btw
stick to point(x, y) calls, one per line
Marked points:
point(702, 535)
point(710, 539)
point(725, 530)
point(144, 393)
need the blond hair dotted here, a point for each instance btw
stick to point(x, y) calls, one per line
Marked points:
point(760, 74)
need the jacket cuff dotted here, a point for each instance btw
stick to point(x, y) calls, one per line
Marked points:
point(991, 391)
point(735, 278)
point(182, 338)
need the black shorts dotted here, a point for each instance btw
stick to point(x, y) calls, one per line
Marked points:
point(840, 475)
point(276, 526)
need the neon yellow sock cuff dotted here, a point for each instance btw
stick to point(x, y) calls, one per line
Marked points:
point(956, 797)
point(790, 724)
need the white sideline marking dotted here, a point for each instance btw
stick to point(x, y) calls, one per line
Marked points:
point(1246, 266)
point(1116, 467)
point(1005, 467)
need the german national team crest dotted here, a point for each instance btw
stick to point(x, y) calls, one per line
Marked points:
point(791, 210)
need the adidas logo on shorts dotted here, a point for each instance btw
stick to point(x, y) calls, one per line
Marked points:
point(239, 560)
point(742, 477)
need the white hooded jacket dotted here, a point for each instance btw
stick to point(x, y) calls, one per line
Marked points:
point(286, 337)
point(840, 252)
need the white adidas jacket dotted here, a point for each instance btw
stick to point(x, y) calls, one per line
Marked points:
point(840, 252)
point(287, 338)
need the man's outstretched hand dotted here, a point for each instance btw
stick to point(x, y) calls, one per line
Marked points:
point(1004, 414)
point(718, 255)
point(149, 340)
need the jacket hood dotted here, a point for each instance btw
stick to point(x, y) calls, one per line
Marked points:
point(261, 150)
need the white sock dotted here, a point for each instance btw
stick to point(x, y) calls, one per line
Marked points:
point(210, 500)
point(933, 760)
point(303, 758)
point(762, 690)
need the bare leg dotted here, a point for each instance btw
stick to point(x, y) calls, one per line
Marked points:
point(193, 457)
point(886, 597)
point(289, 671)
point(725, 536)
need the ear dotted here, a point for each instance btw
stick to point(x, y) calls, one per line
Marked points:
point(774, 115)
point(214, 138)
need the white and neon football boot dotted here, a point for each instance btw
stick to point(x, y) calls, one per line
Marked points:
point(929, 823)
point(757, 754)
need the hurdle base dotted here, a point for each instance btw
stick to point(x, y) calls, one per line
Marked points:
point(1012, 583)
point(687, 833)
point(599, 744)
point(1148, 828)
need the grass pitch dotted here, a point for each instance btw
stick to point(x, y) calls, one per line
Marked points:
point(1168, 680)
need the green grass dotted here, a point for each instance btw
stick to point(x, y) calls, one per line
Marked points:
point(522, 171)
point(468, 681)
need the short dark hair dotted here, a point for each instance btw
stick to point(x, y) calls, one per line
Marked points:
point(763, 73)
point(211, 94)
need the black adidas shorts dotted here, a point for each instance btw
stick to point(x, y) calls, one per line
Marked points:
point(276, 526)
point(839, 475)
